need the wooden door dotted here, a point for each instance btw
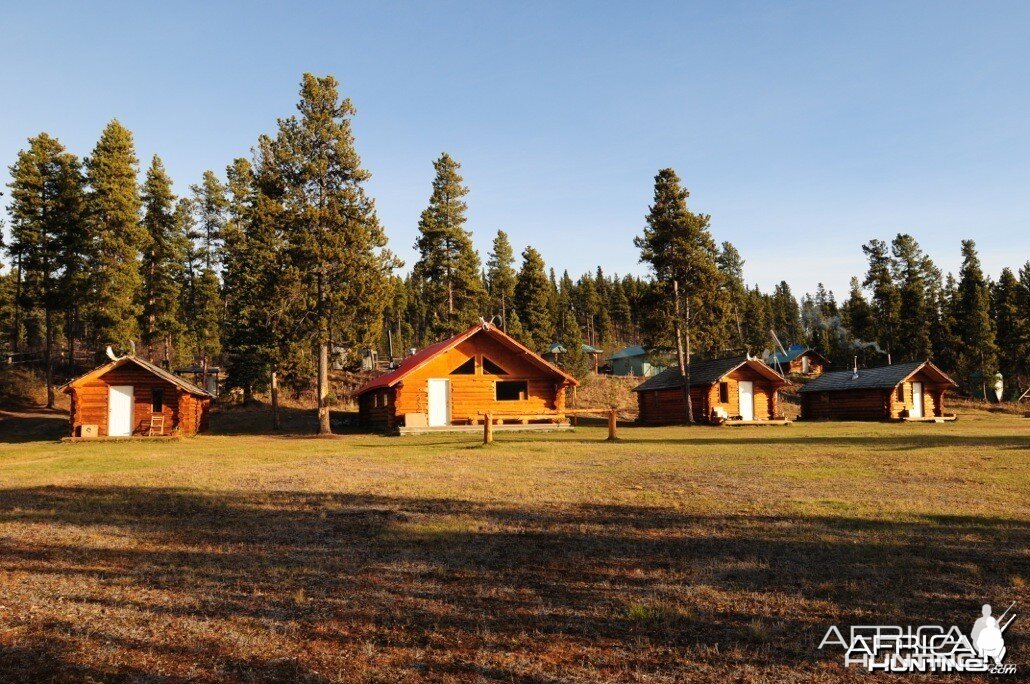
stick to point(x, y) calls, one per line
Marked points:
point(119, 411)
point(917, 400)
point(439, 402)
point(746, 390)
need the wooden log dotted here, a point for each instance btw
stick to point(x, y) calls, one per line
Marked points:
point(488, 429)
point(612, 426)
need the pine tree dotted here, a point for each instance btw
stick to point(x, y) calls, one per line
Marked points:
point(622, 315)
point(786, 315)
point(161, 270)
point(336, 242)
point(532, 301)
point(47, 239)
point(978, 353)
point(911, 271)
point(448, 263)
point(678, 247)
point(731, 265)
point(114, 215)
point(945, 339)
point(886, 303)
point(570, 336)
point(210, 205)
point(501, 277)
point(1012, 322)
point(857, 318)
point(515, 328)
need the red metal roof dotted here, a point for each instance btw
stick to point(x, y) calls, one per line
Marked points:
point(424, 355)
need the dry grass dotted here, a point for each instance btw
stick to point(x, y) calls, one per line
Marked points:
point(677, 554)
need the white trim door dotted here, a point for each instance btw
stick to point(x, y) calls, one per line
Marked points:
point(746, 392)
point(439, 391)
point(119, 411)
point(917, 400)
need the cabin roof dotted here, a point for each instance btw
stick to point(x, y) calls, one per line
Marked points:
point(629, 352)
point(706, 373)
point(793, 352)
point(559, 348)
point(880, 377)
point(185, 385)
point(423, 356)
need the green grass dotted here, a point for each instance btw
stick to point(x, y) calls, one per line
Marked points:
point(674, 554)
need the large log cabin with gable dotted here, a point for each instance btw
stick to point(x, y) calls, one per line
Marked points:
point(461, 379)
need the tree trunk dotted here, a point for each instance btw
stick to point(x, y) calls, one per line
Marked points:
point(276, 423)
point(683, 362)
point(16, 336)
point(48, 359)
point(324, 427)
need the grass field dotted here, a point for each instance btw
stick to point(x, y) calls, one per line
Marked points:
point(677, 554)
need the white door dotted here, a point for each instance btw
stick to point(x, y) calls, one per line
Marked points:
point(119, 411)
point(917, 400)
point(439, 402)
point(746, 390)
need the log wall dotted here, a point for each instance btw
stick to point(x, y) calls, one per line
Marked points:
point(667, 405)
point(181, 410)
point(471, 395)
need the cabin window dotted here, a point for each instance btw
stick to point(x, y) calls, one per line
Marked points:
point(901, 393)
point(157, 401)
point(724, 392)
point(492, 368)
point(467, 368)
point(511, 390)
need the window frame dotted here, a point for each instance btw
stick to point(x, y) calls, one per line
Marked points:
point(724, 392)
point(157, 400)
point(523, 392)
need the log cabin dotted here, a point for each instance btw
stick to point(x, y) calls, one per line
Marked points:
point(903, 391)
point(132, 397)
point(739, 388)
point(461, 379)
point(798, 359)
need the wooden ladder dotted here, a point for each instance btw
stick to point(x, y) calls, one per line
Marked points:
point(157, 423)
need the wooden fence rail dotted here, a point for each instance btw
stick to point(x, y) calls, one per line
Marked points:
point(613, 422)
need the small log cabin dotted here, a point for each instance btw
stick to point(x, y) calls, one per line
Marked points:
point(458, 380)
point(133, 397)
point(799, 360)
point(738, 388)
point(903, 391)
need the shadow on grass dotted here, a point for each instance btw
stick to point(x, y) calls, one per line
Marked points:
point(449, 588)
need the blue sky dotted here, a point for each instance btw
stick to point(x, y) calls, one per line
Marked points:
point(804, 129)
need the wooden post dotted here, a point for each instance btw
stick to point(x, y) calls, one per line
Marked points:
point(488, 429)
point(612, 426)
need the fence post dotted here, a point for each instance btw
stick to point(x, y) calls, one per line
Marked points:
point(612, 426)
point(488, 429)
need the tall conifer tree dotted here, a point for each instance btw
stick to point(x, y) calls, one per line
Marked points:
point(501, 277)
point(47, 236)
point(448, 263)
point(978, 352)
point(161, 270)
point(533, 301)
point(336, 242)
point(114, 215)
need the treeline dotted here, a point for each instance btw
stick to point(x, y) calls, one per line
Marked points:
point(282, 269)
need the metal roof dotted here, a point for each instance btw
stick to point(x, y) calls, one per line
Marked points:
point(880, 377)
point(559, 348)
point(145, 365)
point(423, 356)
point(628, 352)
point(704, 373)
